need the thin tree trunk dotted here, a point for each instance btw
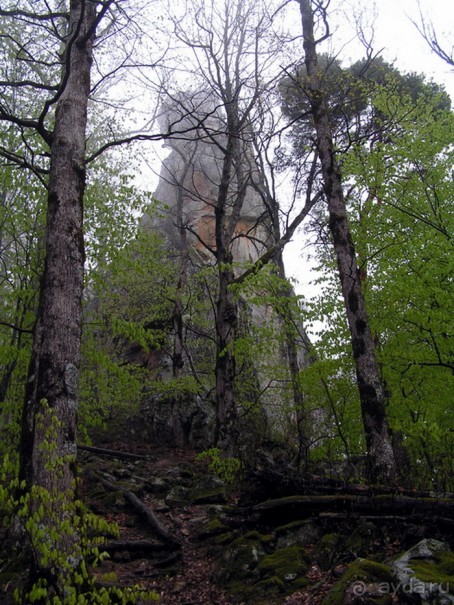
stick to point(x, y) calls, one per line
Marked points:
point(52, 386)
point(382, 465)
point(178, 342)
point(286, 295)
point(294, 365)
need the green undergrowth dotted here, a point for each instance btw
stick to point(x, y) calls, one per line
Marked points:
point(55, 540)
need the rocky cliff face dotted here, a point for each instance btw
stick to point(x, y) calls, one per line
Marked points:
point(191, 175)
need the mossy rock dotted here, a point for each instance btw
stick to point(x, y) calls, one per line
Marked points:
point(239, 559)
point(439, 570)
point(265, 539)
point(254, 594)
point(428, 570)
point(360, 540)
point(278, 573)
point(157, 486)
point(303, 533)
point(365, 582)
point(213, 527)
point(178, 496)
point(268, 586)
point(326, 550)
point(227, 538)
point(287, 563)
point(102, 500)
point(209, 495)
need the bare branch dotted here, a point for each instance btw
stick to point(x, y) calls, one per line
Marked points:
point(427, 30)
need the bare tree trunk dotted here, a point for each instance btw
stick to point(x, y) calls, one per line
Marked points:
point(226, 323)
point(53, 372)
point(382, 465)
point(294, 366)
point(226, 307)
point(178, 342)
point(287, 295)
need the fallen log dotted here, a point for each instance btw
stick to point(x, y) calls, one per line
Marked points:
point(142, 509)
point(370, 504)
point(142, 546)
point(273, 478)
point(114, 453)
point(149, 516)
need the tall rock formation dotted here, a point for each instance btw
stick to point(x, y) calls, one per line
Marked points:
point(188, 190)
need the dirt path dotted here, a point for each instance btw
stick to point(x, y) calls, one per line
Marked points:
point(188, 578)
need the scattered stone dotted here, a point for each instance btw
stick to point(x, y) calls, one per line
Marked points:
point(178, 496)
point(302, 533)
point(156, 485)
point(358, 544)
point(286, 563)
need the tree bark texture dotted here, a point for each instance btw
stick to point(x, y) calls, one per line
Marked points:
point(226, 316)
point(382, 466)
point(55, 358)
point(230, 199)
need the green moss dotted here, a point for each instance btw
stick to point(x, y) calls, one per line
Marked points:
point(283, 529)
point(361, 538)
point(213, 527)
point(440, 570)
point(299, 583)
point(284, 563)
point(271, 585)
point(326, 550)
point(254, 594)
point(240, 558)
point(365, 571)
point(264, 539)
point(223, 539)
point(210, 495)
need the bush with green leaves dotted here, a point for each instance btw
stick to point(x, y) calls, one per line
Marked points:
point(60, 540)
point(226, 468)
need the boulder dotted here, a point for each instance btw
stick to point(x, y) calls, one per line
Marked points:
point(425, 573)
point(363, 583)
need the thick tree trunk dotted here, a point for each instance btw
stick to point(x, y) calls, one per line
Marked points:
point(382, 465)
point(48, 452)
point(226, 322)
point(226, 307)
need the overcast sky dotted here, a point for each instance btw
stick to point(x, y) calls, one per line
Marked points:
point(403, 43)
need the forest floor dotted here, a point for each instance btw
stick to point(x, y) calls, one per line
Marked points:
point(192, 541)
point(190, 576)
point(190, 581)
